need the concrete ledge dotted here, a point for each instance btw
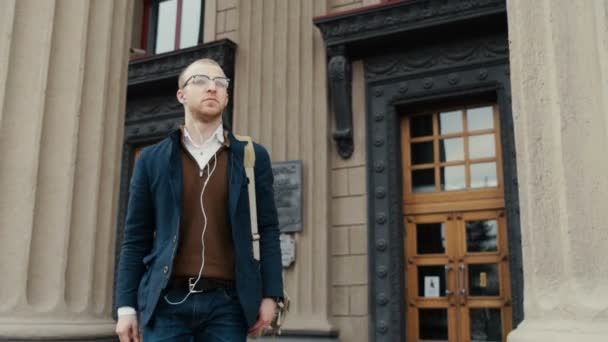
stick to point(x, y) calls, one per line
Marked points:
point(59, 330)
point(100, 339)
point(287, 336)
point(295, 335)
point(559, 331)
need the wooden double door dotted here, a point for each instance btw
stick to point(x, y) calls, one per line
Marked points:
point(458, 286)
point(457, 261)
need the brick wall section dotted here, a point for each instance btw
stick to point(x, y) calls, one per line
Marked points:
point(344, 5)
point(348, 231)
point(227, 21)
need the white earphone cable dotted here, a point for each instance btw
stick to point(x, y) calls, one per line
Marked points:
point(200, 272)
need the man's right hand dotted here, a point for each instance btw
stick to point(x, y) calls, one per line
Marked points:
point(127, 329)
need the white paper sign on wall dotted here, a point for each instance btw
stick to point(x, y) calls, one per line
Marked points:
point(288, 250)
point(431, 286)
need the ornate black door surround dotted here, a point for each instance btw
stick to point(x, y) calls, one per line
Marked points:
point(152, 108)
point(416, 53)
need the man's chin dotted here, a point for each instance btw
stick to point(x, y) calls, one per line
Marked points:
point(207, 115)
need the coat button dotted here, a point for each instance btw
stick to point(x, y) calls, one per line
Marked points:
point(174, 238)
point(166, 269)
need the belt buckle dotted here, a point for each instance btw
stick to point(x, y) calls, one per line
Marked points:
point(192, 284)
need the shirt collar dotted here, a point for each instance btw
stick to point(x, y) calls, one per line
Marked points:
point(217, 136)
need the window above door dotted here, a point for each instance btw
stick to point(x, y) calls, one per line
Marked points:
point(453, 152)
point(170, 25)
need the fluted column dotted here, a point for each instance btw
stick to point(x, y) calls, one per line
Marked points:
point(559, 71)
point(63, 67)
point(280, 100)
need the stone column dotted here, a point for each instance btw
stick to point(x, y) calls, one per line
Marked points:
point(63, 76)
point(559, 71)
point(280, 100)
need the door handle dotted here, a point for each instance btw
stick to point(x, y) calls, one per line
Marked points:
point(463, 289)
point(449, 293)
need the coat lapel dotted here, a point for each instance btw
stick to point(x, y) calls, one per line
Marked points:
point(175, 170)
point(236, 174)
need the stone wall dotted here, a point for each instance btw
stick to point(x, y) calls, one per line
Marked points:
point(63, 76)
point(559, 80)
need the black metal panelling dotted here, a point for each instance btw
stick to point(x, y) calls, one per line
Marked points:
point(152, 109)
point(385, 99)
point(418, 52)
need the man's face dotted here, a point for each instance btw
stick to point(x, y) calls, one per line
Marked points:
point(205, 92)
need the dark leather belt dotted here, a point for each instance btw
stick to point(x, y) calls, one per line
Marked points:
point(203, 285)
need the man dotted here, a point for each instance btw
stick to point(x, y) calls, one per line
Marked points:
point(186, 264)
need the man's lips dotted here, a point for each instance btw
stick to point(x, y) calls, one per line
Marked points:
point(211, 99)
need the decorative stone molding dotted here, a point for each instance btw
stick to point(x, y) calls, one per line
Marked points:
point(340, 74)
point(452, 54)
point(170, 64)
point(399, 17)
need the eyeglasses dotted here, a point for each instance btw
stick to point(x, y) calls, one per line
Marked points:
point(205, 81)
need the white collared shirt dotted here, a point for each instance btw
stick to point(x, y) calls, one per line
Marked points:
point(203, 153)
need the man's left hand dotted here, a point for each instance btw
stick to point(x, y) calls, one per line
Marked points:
point(268, 309)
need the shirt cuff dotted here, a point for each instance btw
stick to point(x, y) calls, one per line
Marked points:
point(125, 310)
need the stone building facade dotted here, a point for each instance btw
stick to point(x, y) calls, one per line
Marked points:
point(340, 85)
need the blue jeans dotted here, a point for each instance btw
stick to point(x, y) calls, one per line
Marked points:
point(213, 316)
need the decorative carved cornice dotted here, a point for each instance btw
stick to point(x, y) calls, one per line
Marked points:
point(169, 65)
point(153, 106)
point(401, 17)
point(430, 58)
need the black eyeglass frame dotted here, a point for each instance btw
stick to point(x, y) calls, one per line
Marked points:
point(210, 79)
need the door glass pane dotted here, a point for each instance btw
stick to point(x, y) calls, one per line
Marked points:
point(483, 175)
point(486, 325)
point(421, 126)
point(433, 324)
point(422, 153)
point(431, 281)
point(423, 180)
point(191, 21)
point(484, 280)
point(452, 178)
point(451, 149)
point(165, 29)
point(482, 146)
point(430, 238)
point(450, 122)
point(482, 236)
point(480, 118)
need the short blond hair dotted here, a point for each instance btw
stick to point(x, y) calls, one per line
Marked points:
point(181, 79)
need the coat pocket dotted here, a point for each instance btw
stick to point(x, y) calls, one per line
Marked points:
point(142, 291)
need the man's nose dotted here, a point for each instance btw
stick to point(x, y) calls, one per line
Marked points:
point(211, 87)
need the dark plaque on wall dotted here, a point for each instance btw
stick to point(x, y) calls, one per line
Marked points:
point(288, 194)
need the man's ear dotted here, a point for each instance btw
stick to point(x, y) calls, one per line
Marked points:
point(180, 96)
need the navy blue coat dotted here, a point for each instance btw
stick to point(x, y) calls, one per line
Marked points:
point(152, 228)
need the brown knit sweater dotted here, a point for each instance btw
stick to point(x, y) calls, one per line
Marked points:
point(219, 248)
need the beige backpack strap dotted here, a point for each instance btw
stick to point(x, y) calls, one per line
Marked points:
point(249, 161)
